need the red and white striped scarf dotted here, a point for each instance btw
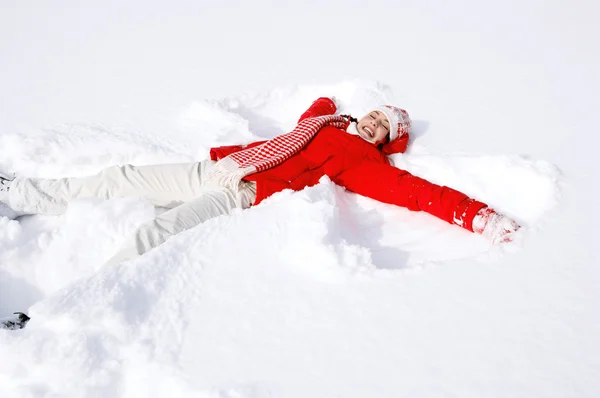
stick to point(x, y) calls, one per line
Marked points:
point(230, 170)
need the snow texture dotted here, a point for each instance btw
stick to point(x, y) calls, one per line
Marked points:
point(318, 293)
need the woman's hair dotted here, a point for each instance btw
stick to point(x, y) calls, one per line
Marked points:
point(349, 117)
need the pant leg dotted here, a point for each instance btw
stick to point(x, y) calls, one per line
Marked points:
point(212, 202)
point(166, 185)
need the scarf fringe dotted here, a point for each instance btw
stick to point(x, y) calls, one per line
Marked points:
point(226, 173)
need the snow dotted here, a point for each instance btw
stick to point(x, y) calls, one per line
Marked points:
point(321, 292)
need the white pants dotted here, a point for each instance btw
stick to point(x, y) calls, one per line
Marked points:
point(179, 187)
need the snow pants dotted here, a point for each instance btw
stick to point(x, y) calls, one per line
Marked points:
point(178, 187)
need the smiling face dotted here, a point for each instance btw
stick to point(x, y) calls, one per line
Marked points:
point(374, 127)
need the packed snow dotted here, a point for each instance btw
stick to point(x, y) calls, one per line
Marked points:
point(318, 293)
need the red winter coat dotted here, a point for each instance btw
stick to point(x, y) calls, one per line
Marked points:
point(361, 167)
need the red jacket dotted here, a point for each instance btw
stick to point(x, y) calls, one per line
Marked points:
point(361, 167)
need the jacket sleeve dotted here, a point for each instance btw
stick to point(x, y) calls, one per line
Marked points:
point(389, 184)
point(223, 151)
point(321, 107)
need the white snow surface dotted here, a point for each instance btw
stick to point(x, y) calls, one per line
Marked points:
point(318, 293)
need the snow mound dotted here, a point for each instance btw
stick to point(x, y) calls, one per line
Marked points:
point(240, 303)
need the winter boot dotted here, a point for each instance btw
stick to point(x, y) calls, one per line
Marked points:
point(5, 209)
point(497, 228)
point(17, 321)
point(5, 181)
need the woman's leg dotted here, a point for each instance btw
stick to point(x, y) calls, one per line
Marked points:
point(212, 202)
point(166, 185)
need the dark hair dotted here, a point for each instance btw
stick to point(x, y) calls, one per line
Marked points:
point(349, 117)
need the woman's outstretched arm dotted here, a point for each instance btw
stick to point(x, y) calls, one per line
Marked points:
point(321, 107)
point(389, 184)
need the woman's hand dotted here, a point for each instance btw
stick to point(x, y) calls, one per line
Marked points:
point(496, 227)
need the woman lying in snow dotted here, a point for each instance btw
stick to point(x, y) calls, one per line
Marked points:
point(352, 153)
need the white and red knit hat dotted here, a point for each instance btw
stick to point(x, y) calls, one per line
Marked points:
point(398, 118)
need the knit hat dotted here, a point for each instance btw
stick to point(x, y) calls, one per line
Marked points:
point(397, 117)
point(398, 136)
